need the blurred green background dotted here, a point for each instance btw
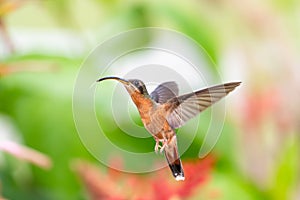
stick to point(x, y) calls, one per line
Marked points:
point(44, 42)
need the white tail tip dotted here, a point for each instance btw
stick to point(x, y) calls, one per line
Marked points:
point(179, 178)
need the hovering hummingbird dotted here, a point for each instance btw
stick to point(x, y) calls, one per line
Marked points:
point(163, 111)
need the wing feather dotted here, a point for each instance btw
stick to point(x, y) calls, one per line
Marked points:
point(185, 107)
point(164, 92)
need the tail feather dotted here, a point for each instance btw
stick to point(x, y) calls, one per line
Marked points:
point(172, 156)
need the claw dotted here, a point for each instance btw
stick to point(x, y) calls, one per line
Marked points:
point(157, 146)
point(163, 147)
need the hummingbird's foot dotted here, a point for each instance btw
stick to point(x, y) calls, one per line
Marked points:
point(163, 147)
point(157, 146)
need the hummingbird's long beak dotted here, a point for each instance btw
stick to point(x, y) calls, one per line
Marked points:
point(114, 78)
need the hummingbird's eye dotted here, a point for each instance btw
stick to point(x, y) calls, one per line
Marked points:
point(141, 89)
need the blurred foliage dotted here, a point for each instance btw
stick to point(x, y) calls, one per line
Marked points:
point(40, 105)
point(36, 92)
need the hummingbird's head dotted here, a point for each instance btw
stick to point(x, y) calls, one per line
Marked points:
point(138, 86)
point(132, 85)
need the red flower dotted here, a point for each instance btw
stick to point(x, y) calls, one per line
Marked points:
point(159, 185)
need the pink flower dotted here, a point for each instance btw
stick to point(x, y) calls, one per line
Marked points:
point(27, 154)
point(115, 185)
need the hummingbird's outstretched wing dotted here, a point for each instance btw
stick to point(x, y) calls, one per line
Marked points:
point(187, 106)
point(172, 156)
point(164, 92)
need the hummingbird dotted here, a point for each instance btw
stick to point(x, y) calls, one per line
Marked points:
point(163, 111)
